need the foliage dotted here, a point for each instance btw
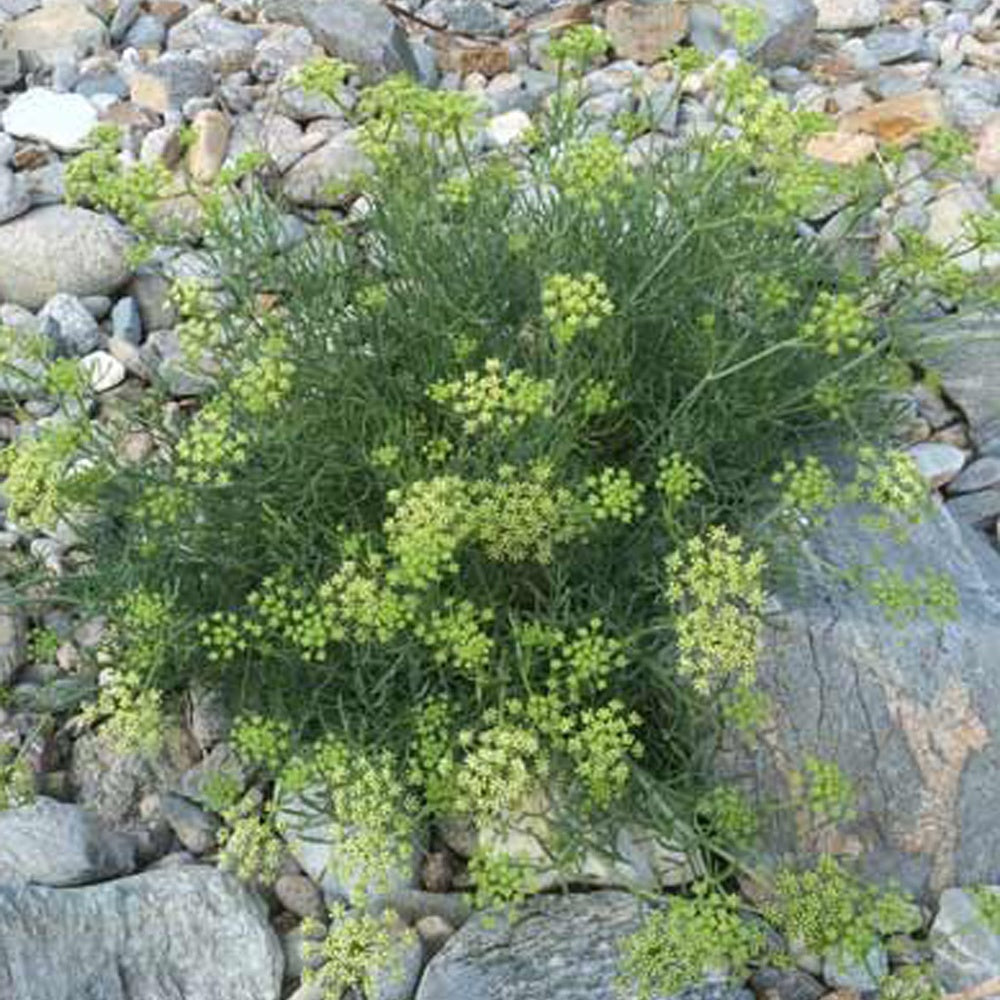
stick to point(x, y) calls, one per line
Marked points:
point(17, 782)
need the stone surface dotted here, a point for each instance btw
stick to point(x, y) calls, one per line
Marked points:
point(899, 120)
point(938, 463)
point(75, 330)
point(966, 952)
point(170, 82)
point(786, 39)
point(62, 120)
point(908, 713)
point(644, 31)
point(841, 148)
point(361, 32)
point(557, 948)
point(965, 354)
point(987, 156)
point(299, 895)
point(184, 932)
point(228, 44)
point(506, 129)
point(209, 144)
point(978, 475)
point(59, 32)
point(194, 828)
point(61, 249)
point(15, 199)
point(320, 178)
point(57, 844)
point(12, 637)
point(847, 15)
point(948, 217)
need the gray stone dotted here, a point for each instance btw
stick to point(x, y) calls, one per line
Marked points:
point(786, 984)
point(62, 32)
point(104, 371)
point(965, 354)
point(938, 463)
point(221, 761)
point(12, 637)
point(966, 951)
point(789, 26)
point(846, 972)
point(76, 331)
point(126, 11)
point(190, 932)
point(978, 475)
point(847, 15)
point(10, 64)
point(969, 100)
point(46, 184)
point(979, 510)
point(163, 353)
point(909, 713)
point(146, 32)
point(895, 43)
point(126, 320)
point(299, 895)
point(64, 121)
point(470, 17)
point(286, 48)
point(194, 827)
point(361, 32)
point(324, 177)
point(7, 148)
point(277, 137)
point(57, 844)
point(230, 46)
point(61, 249)
point(556, 948)
point(14, 197)
point(171, 81)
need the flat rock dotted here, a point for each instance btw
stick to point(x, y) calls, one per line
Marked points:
point(556, 948)
point(643, 31)
point(170, 82)
point(948, 217)
point(847, 15)
point(57, 844)
point(62, 120)
point(184, 932)
point(966, 952)
point(938, 463)
point(908, 712)
point(981, 474)
point(61, 249)
point(361, 32)
point(899, 120)
point(74, 329)
point(65, 31)
point(324, 177)
point(230, 45)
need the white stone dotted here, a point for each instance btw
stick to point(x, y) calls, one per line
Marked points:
point(938, 463)
point(104, 371)
point(847, 15)
point(62, 120)
point(506, 129)
point(949, 216)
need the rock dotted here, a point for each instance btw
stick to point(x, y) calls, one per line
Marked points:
point(965, 354)
point(147, 32)
point(786, 984)
point(847, 15)
point(54, 843)
point(12, 637)
point(126, 320)
point(506, 129)
point(61, 32)
point(285, 48)
point(398, 980)
point(841, 148)
point(314, 846)
point(788, 30)
point(190, 932)
point(299, 895)
point(195, 829)
point(556, 948)
point(978, 475)
point(278, 137)
point(645, 31)
point(64, 121)
point(10, 64)
point(907, 713)
point(361, 32)
point(965, 949)
point(75, 330)
point(938, 463)
point(103, 370)
point(980, 510)
point(326, 177)
point(899, 120)
point(847, 973)
point(15, 198)
point(209, 718)
point(61, 249)
point(949, 215)
point(167, 84)
point(464, 56)
point(987, 156)
point(208, 149)
point(228, 44)
point(435, 931)
point(894, 43)
point(221, 762)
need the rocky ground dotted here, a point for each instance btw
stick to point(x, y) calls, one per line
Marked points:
point(107, 886)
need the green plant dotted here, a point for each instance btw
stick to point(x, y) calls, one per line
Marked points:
point(17, 782)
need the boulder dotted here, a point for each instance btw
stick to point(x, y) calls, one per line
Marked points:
point(64, 121)
point(554, 948)
point(326, 177)
point(910, 713)
point(190, 932)
point(58, 844)
point(965, 947)
point(788, 29)
point(56, 33)
point(61, 249)
point(361, 32)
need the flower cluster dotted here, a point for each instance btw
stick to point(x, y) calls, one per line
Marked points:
point(127, 713)
point(499, 880)
point(903, 600)
point(571, 305)
point(829, 792)
point(808, 491)
point(580, 45)
point(251, 845)
point(262, 742)
point(457, 637)
point(593, 172)
point(679, 479)
point(602, 749)
point(613, 495)
point(212, 446)
point(494, 399)
point(891, 482)
point(836, 322)
point(265, 381)
point(717, 588)
point(729, 815)
point(584, 662)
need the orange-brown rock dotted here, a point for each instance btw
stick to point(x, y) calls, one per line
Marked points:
point(643, 32)
point(845, 149)
point(899, 120)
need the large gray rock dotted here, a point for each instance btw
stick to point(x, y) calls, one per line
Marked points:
point(61, 249)
point(789, 26)
point(361, 32)
point(965, 354)
point(326, 176)
point(56, 33)
point(192, 933)
point(57, 844)
point(556, 948)
point(910, 713)
point(966, 950)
